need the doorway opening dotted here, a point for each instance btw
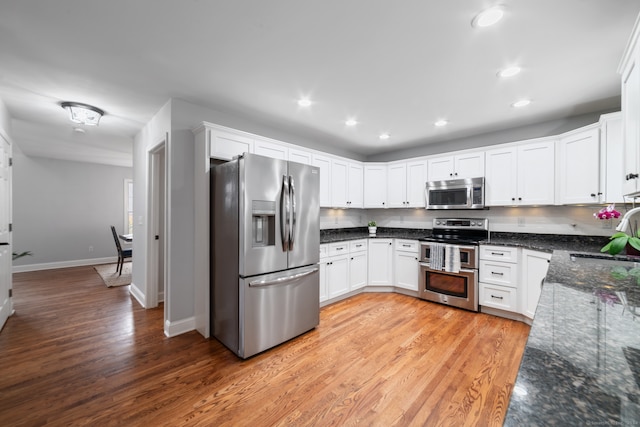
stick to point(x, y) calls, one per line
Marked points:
point(156, 235)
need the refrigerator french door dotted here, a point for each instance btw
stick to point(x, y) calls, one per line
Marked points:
point(266, 237)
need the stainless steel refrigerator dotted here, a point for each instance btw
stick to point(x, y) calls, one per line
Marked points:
point(265, 281)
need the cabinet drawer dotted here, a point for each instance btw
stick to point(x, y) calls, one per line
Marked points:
point(499, 253)
point(357, 246)
point(407, 245)
point(498, 297)
point(338, 248)
point(499, 273)
point(324, 251)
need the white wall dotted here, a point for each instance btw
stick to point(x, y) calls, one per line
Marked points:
point(5, 119)
point(577, 220)
point(62, 211)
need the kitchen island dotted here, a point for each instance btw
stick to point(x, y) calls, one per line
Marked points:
point(581, 365)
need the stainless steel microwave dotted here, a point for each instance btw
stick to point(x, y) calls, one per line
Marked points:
point(455, 194)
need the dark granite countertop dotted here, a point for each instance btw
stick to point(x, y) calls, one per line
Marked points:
point(343, 234)
point(581, 364)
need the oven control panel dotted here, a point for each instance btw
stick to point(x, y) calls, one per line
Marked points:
point(461, 223)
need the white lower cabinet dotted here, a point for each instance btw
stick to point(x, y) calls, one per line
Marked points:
point(343, 268)
point(380, 268)
point(534, 269)
point(405, 264)
point(499, 279)
point(511, 278)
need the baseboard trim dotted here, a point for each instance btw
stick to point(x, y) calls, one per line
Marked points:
point(171, 329)
point(138, 295)
point(63, 264)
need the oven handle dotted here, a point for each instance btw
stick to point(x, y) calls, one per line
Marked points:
point(462, 270)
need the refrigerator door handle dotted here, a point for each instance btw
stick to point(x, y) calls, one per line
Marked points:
point(283, 279)
point(284, 213)
point(292, 230)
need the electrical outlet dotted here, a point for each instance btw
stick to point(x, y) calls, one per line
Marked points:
point(90, 248)
point(521, 222)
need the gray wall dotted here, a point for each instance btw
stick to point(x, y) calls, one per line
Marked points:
point(538, 130)
point(61, 208)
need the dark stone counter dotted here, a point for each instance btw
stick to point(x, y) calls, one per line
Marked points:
point(343, 234)
point(548, 242)
point(581, 364)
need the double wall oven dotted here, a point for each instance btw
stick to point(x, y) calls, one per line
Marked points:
point(449, 262)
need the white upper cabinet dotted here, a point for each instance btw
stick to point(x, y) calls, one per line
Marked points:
point(346, 184)
point(375, 185)
point(225, 145)
point(630, 73)
point(521, 174)
point(271, 149)
point(580, 174)
point(612, 149)
point(324, 164)
point(406, 184)
point(300, 156)
point(458, 166)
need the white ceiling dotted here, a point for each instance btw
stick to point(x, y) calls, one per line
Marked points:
point(395, 66)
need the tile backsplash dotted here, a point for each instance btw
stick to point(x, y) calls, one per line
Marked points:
point(577, 220)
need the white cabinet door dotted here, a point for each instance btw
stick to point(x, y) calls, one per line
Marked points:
point(339, 183)
point(324, 164)
point(536, 173)
point(406, 270)
point(356, 185)
point(521, 175)
point(578, 168)
point(380, 262)
point(227, 145)
point(631, 117)
point(416, 183)
point(300, 156)
point(357, 270)
point(534, 269)
point(501, 187)
point(375, 185)
point(270, 149)
point(397, 185)
point(324, 280)
point(469, 165)
point(611, 140)
point(440, 168)
point(338, 275)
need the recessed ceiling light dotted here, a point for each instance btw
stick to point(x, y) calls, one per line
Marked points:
point(521, 103)
point(351, 122)
point(304, 102)
point(384, 136)
point(488, 17)
point(441, 122)
point(509, 72)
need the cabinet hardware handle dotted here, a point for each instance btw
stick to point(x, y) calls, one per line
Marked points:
point(593, 194)
point(599, 194)
point(519, 198)
point(358, 246)
point(496, 297)
point(389, 243)
point(351, 258)
point(497, 274)
point(339, 249)
point(450, 174)
point(497, 253)
point(456, 174)
point(406, 246)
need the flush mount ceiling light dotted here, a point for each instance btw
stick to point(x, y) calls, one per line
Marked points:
point(384, 136)
point(83, 113)
point(521, 103)
point(351, 122)
point(488, 17)
point(304, 102)
point(440, 123)
point(509, 72)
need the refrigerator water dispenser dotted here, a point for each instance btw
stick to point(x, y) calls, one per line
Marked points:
point(264, 223)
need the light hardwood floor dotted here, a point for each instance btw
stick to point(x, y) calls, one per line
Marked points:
point(79, 353)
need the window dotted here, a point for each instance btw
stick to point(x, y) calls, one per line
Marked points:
point(128, 206)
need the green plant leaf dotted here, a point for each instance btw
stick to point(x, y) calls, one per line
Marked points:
point(615, 246)
point(618, 235)
point(635, 242)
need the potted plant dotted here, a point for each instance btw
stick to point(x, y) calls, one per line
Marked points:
point(620, 240)
point(372, 228)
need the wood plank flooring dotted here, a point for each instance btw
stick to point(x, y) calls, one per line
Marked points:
point(79, 353)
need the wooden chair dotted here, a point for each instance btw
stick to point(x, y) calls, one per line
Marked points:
point(122, 253)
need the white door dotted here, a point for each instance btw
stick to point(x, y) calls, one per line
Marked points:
point(6, 303)
point(579, 168)
point(397, 185)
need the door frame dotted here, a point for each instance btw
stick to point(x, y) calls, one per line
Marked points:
point(157, 224)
